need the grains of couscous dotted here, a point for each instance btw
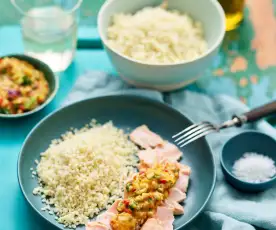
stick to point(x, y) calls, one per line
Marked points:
point(83, 172)
point(157, 36)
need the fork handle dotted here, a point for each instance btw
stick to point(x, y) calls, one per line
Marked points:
point(258, 113)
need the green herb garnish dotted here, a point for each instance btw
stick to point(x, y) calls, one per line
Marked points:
point(3, 71)
point(26, 81)
point(133, 205)
point(156, 176)
point(4, 111)
point(16, 106)
point(128, 187)
point(30, 103)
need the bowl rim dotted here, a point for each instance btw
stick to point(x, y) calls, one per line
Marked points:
point(202, 56)
point(156, 102)
point(229, 173)
point(50, 97)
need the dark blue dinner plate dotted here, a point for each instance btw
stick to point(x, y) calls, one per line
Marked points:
point(126, 112)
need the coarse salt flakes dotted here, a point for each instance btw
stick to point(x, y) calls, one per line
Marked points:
point(254, 168)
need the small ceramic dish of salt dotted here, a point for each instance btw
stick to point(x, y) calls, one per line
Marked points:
point(248, 161)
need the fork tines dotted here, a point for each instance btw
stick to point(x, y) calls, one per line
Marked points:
point(193, 133)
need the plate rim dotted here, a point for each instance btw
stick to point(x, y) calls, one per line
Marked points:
point(156, 102)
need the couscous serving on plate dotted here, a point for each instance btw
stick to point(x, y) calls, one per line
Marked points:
point(22, 87)
point(83, 172)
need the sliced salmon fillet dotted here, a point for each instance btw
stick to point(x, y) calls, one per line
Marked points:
point(96, 226)
point(166, 152)
point(165, 215)
point(169, 151)
point(113, 208)
point(103, 220)
point(152, 224)
point(176, 195)
point(184, 169)
point(167, 225)
point(177, 208)
point(145, 138)
point(182, 182)
point(150, 156)
point(163, 220)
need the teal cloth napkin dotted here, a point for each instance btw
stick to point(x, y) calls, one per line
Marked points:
point(228, 208)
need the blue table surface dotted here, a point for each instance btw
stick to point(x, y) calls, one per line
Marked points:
point(15, 213)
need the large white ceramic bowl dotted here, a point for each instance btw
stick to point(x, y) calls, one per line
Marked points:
point(165, 77)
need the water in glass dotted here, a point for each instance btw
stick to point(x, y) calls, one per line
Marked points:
point(50, 34)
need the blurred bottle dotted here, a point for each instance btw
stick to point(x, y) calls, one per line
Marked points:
point(234, 12)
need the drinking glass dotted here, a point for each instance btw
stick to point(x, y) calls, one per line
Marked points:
point(234, 12)
point(49, 30)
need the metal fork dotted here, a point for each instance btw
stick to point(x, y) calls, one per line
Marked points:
point(204, 128)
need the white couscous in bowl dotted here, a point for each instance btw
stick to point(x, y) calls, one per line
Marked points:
point(153, 72)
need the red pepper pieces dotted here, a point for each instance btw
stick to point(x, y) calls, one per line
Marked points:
point(126, 202)
point(128, 211)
